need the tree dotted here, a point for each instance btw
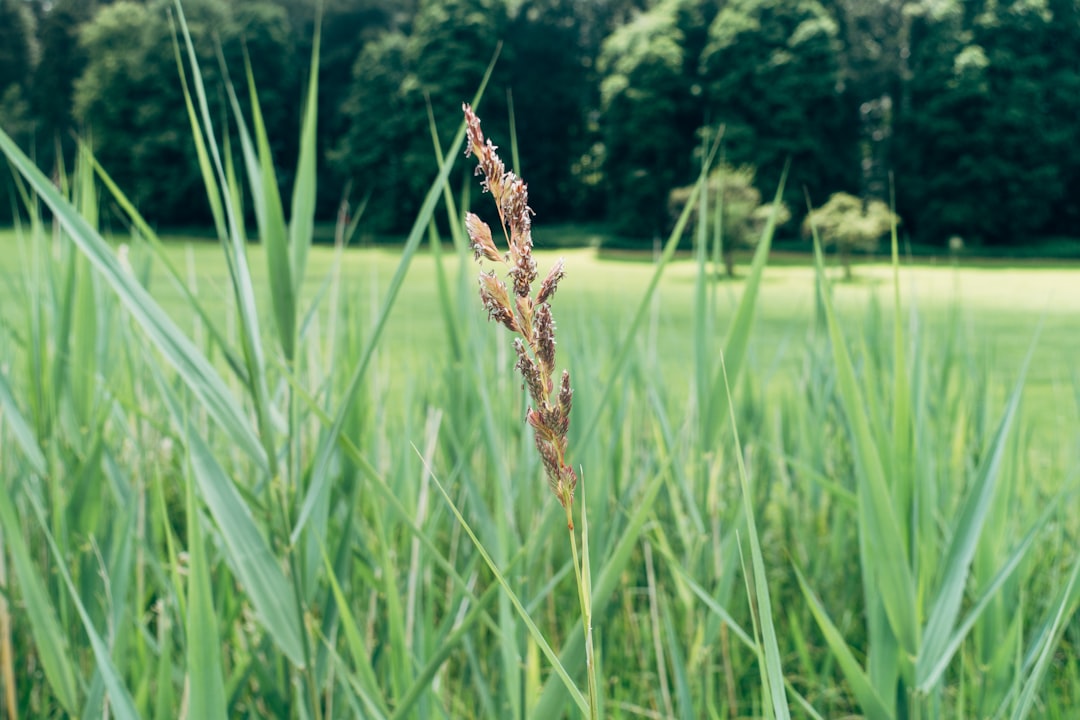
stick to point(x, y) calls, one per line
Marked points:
point(737, 217)
point(387, 147)
point(17, 50)
point(62, 60)
point(553, 84)
point(773, 77)
point(986, 144)
point(848, 223)
point(650, 113)
point(130, 104)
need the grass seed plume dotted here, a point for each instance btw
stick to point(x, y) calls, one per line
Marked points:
point(524, 314)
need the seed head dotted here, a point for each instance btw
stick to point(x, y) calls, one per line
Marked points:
point(480, 235)
point(551, 282)
point(496, 301)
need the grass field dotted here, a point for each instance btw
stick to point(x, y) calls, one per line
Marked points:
point(282, 481)
point(972, 328)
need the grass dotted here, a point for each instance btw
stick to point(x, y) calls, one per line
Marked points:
point(289, 481)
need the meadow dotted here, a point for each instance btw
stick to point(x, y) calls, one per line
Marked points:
point(288, 481)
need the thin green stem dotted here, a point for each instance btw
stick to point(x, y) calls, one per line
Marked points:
point(586, 611)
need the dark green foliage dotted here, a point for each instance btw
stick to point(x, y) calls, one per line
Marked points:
point(650, 114)
point(773, 78)
point(987, 135)
point(970, 106)
point(128, 99)
point(387, 147)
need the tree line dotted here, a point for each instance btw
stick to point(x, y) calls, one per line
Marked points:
point(969, 106)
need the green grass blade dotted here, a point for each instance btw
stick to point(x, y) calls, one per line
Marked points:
point(557, 666)
point(20, 428)
point(206, 691)
point(772, 672)
point(270, 216)
point(147, 234)
point(320, 473)
point(360, 655)
point(120, 700)
point(252, 558)
point(1065, 608)
point(197, 372)
point(737, 340)
point(869, 700)
point(965, 538)
point(302, 213)
point(234, 245)
point(878, 523)
point(933, 673)
point(49, 640)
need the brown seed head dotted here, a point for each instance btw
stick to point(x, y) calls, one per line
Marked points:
point(544, 331)
point(496, 301)
point(480, 235)
point(566, 397)
point(530, 373)
point(523, 272)
point(551, 282)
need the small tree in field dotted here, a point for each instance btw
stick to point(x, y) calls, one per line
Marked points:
point(849, 223)
point(736, 215)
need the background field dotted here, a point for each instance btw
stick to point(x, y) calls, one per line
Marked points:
point(663, 649)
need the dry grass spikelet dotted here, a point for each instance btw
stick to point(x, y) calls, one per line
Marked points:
point(528, 316)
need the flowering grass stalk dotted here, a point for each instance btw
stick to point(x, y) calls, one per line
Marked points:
point(530, 317)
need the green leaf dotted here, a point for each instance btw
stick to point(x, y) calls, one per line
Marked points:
point(206, 692)
point(870, 702)
point(49, 640)
point(197, 372)
point(879, 527)
point(120, 700)
point(964, 540)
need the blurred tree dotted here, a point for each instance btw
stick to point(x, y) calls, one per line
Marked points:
point(62, 59)
point(130, 103)
point(552, 90)
point(773, 77)
point(387, 147)
point(736, 215)
point(848, 223)
point(650, 113)
point(18, 49)
point(988, 131)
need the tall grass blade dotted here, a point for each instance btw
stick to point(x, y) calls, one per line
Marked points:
point(206, 692)
point(20, 429)
point(251, 556)
point(121, 703)
point(320, 466)
point(879, 526)
point(235, 248)
point(964, 539)
point(869, 700)
point(49, 639)
point(738, 336)
point(302, 213)
point(772, 673)
point(1065, 607)
point(272, 230)
point(538, 637)
point(198, 374)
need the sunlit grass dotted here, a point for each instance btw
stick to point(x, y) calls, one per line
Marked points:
point(219, 490)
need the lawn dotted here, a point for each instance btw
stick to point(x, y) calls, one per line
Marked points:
point(992, 312)
point(423, 628)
